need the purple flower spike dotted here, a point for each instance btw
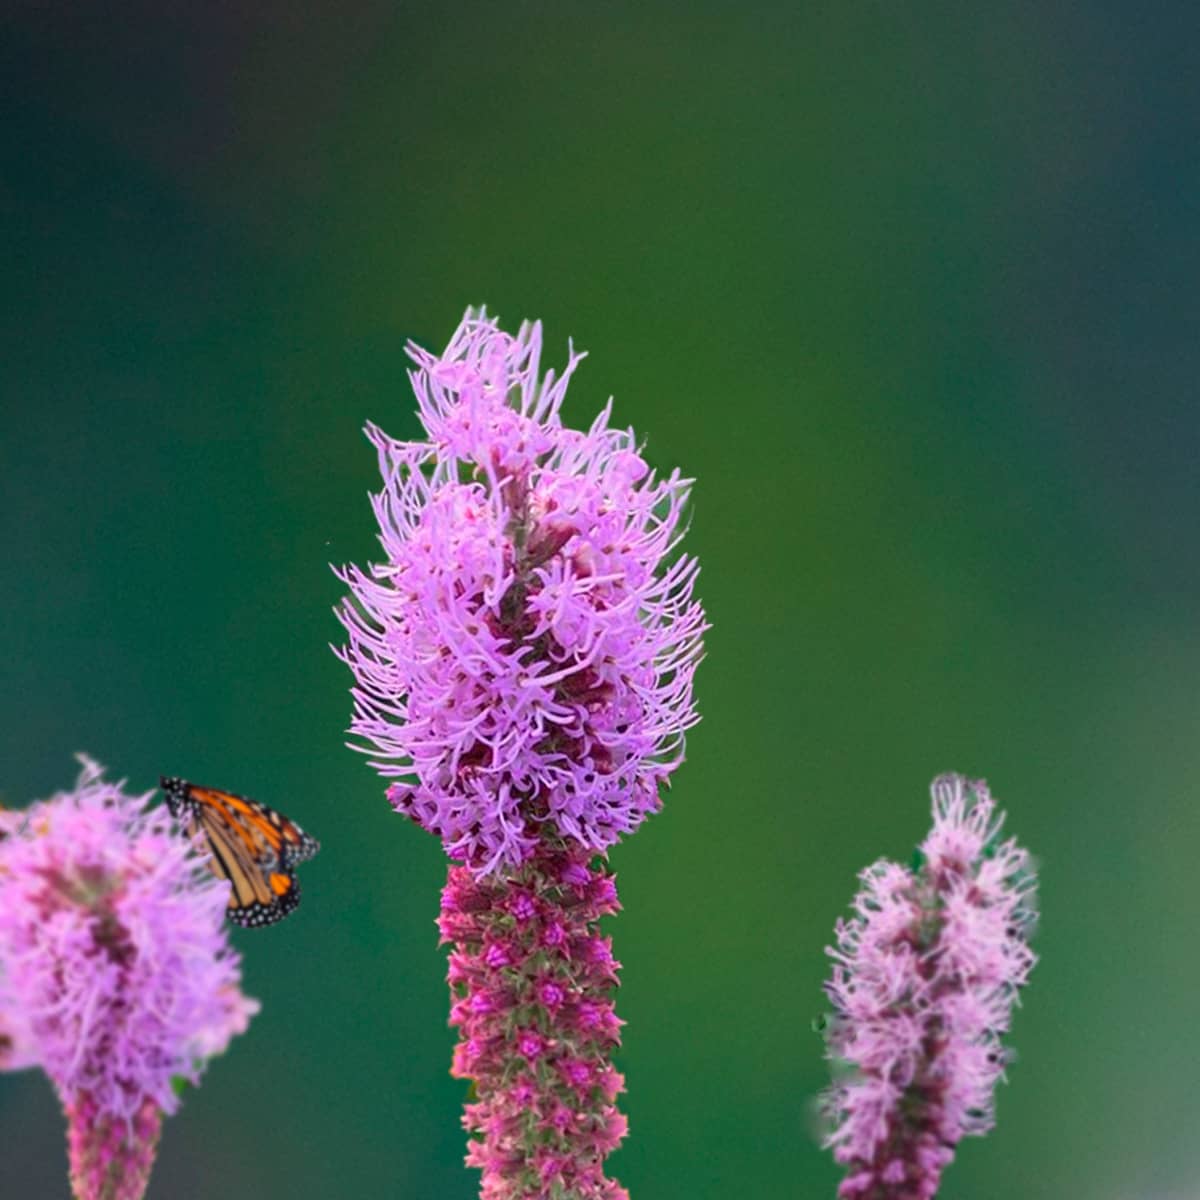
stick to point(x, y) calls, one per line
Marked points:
point(115, 972)
point(925, 976)
point(524, 657)
point(523, 665)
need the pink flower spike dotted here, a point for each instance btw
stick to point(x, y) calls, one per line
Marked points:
point(116, 974)
point(925, 976)
point(523, 659)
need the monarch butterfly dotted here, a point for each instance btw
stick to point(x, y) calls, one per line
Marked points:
point(251, 845)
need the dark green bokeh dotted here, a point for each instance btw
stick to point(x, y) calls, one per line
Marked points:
point(910, 291)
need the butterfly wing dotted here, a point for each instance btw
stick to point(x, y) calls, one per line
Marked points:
point(293, 844)
point(251, 845)
point(262, 891)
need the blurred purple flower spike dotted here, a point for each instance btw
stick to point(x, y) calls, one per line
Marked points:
point(116, 975)
point(926, 973)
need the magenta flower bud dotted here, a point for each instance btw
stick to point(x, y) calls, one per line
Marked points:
point(925, 976)
point(599, 950)
point(530, 1044)
point(484, 1003)
point(575, 875)
point(497, 955)
point(523, 907)
point(603, 893)
point(560, 1118)
point(551, 994)
point(554, 935)
point(577, 1073)
point(523, 664)
point(116, 969)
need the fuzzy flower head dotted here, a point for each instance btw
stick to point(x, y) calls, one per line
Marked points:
point(926, 973)
point(523, 658)
point(114, 961)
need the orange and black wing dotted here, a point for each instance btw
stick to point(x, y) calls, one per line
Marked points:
point(251, 845)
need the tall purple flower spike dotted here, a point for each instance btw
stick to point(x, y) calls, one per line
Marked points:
point(523, 659)
point(926, 973)
point(116, 975)
point(523, 665)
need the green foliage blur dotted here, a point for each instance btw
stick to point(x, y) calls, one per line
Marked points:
point(910, 290)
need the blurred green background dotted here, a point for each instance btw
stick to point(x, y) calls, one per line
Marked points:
point(911, 290)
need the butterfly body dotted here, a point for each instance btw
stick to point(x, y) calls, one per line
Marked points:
point(251, 845)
